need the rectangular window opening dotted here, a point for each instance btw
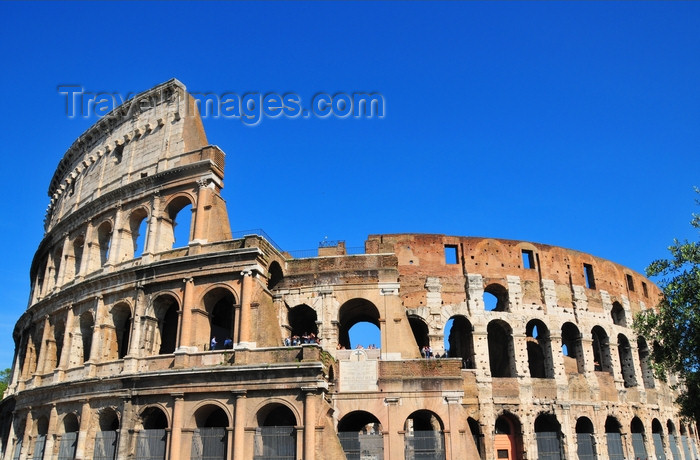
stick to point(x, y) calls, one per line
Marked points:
point(450, 254)
point(528, 259)
point(588, 273)
point(644, 289)
point(630, 283)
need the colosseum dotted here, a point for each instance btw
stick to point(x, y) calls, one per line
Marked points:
point(137, 346)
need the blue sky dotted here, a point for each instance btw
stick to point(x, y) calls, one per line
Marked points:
point(573, 124)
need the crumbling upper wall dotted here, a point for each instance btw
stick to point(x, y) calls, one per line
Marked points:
point(146, 135)
point(421, 256)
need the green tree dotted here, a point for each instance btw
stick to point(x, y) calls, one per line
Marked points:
point(4, 380)
point(675, 325)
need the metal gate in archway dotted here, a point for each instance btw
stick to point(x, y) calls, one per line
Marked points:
point(425, 445)
point(360, 446)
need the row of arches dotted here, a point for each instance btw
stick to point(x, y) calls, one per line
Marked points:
point(114, 240)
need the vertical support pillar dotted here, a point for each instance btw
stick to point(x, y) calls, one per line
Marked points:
point(239, 423)
point(309, 423)
point(176, 429)
point(28, 425)
point(115, 246)
point(62, 267)
point(51, 434)
point(96, 344)
point(62, 365)
point(244, 322)
point(41, 359)
point(393, 444)
point(200, 226)
point(186, 319)
point(88, 243)
point(152, 231)
point(83, 431)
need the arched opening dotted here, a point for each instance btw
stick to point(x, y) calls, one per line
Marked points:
point(548, 437)
point(59, 331)
point(614, 439)
point(104, 241)
point(178, 234)
point(585, 445)
point(539, 350)
point(624, 352)
point(644, 361)
point(424, 438)
point(673, 440)
point(121, 319)
point(69, 439)
point(507, 437)
point(275, 437)
point(78, 247)
point(219, 304)
point(420, 332)
point(302, 320)
point(460, 341)
point(360, 434)
point(601, 350)
point(87, 324)
point(138, 226)
point(657, 435)
point(20, 426)
point(57, 259)
point(107, 438)
point(501, 352)
point(684, 442)
point(209, 438)
point(166, 308)
point(151, 441)
point(638, 444)
point(42, 430)
point(572, 349)
point(352, 313)
point(495, 298)
point(618, 314)
point(475, 430)
point(275, 275)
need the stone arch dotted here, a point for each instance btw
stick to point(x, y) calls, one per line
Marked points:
point(173, 213)
point(420, 331)
point(302, 320)
point(501, 349)
point(152, 438)
point(508, 440)
point(209, 438)
point(87, 325)
point(548, 436)
point(360, 434)
point(539, 350)
point(69, 438)
point(71, 422)
point(657, 435)
point(41, 430)
point(104, 241)
point(219, 303)
point(638, 435)
point(618, 314)
point(424, 436)
point(645, 363)
point(59, 330)
point(276, 431)
point(78, 249)
point(602, 361)
point(357, 310)
point(572, 349)
point(614, 437)
point(119, 337)
point(624, 350)
point(166, 311)
point(585, 441)
point(461, 341)
point(477, 435)
point(138, 231)
point(107, 437)
point(274, 275)
point(496, 298)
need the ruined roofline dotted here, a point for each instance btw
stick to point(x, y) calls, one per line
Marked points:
point(109, 122)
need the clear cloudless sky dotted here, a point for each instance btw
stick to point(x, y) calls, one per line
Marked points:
point(573, 124)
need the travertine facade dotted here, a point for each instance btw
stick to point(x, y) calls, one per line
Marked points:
point(114, 359)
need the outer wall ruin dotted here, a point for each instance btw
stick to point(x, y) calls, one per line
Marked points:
point(115, 356)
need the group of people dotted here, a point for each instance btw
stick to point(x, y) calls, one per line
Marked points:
point(307, 338)
point(214, 345)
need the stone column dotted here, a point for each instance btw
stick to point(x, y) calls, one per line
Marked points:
point(244, 323)
point(186, 318)
point(64, 255)
point(25, 437)
point(176, 429)
point(127, 416)
point(86, 263)
point(200, 224)
point(393, 435)
point(309, 423)
point(84, 429)
point(239, 423)
point(51, 436)
point(115, 246)
point(152, 232)
point(41, 359)
point(62, 365)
